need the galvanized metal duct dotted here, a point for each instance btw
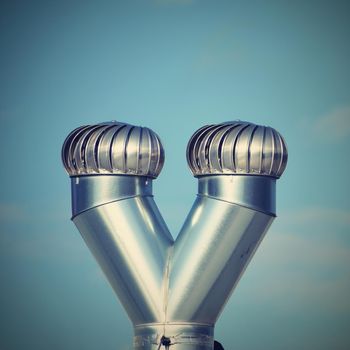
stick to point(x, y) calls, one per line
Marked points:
point(172, 291)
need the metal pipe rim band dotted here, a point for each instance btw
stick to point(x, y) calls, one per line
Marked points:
point(196, 335)
point(253, 192)
point(94, 190)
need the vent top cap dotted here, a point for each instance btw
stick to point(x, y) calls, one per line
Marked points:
point(237, 147)
point(113, 148)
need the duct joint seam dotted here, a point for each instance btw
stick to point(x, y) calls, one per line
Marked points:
point(76, 213)
point(246, 206)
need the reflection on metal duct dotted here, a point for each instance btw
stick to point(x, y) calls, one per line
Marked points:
point(172, 291)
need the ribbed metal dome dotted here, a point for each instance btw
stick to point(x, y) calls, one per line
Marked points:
point(113, 148)
point(237, 148)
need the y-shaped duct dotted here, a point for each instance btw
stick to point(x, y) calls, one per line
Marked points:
point(172, 291)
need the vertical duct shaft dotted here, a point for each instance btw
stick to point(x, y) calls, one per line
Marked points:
point(127, 236)
point(220, 235)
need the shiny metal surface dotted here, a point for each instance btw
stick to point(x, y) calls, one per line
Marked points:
point(237, 148)
point(130, 241)
point(163, 285)
point(182, 336)
point(211, 252)
point(174, 292)
point(254, 192)
point(94, 190)
point(113, 148)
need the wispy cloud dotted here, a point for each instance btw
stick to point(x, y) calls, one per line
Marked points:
point(335, 125)
point(220, 50)
point(12, 212)
point(301, 264)
point(49, 246)
point(315, 214)
point(174, 2)
point(301, 268)
point(54, 211)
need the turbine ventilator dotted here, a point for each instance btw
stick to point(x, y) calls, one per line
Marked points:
point(173, 291)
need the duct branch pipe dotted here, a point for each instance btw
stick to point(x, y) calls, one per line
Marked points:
point(112, 166)
point(172, 291)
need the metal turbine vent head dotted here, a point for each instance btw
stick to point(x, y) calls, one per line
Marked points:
point(113, 148)
point(237, 147)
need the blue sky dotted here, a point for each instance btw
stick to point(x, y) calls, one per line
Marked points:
point(175, 65)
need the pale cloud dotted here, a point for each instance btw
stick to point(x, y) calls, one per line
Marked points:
point(12, 212)
point(293, 266)
point(47, 246)
point(313, 271)
point(316, 214)
point(335, 125)
point(45, 212)
point(220, 50)
point(174, 2)
point(295, 248)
